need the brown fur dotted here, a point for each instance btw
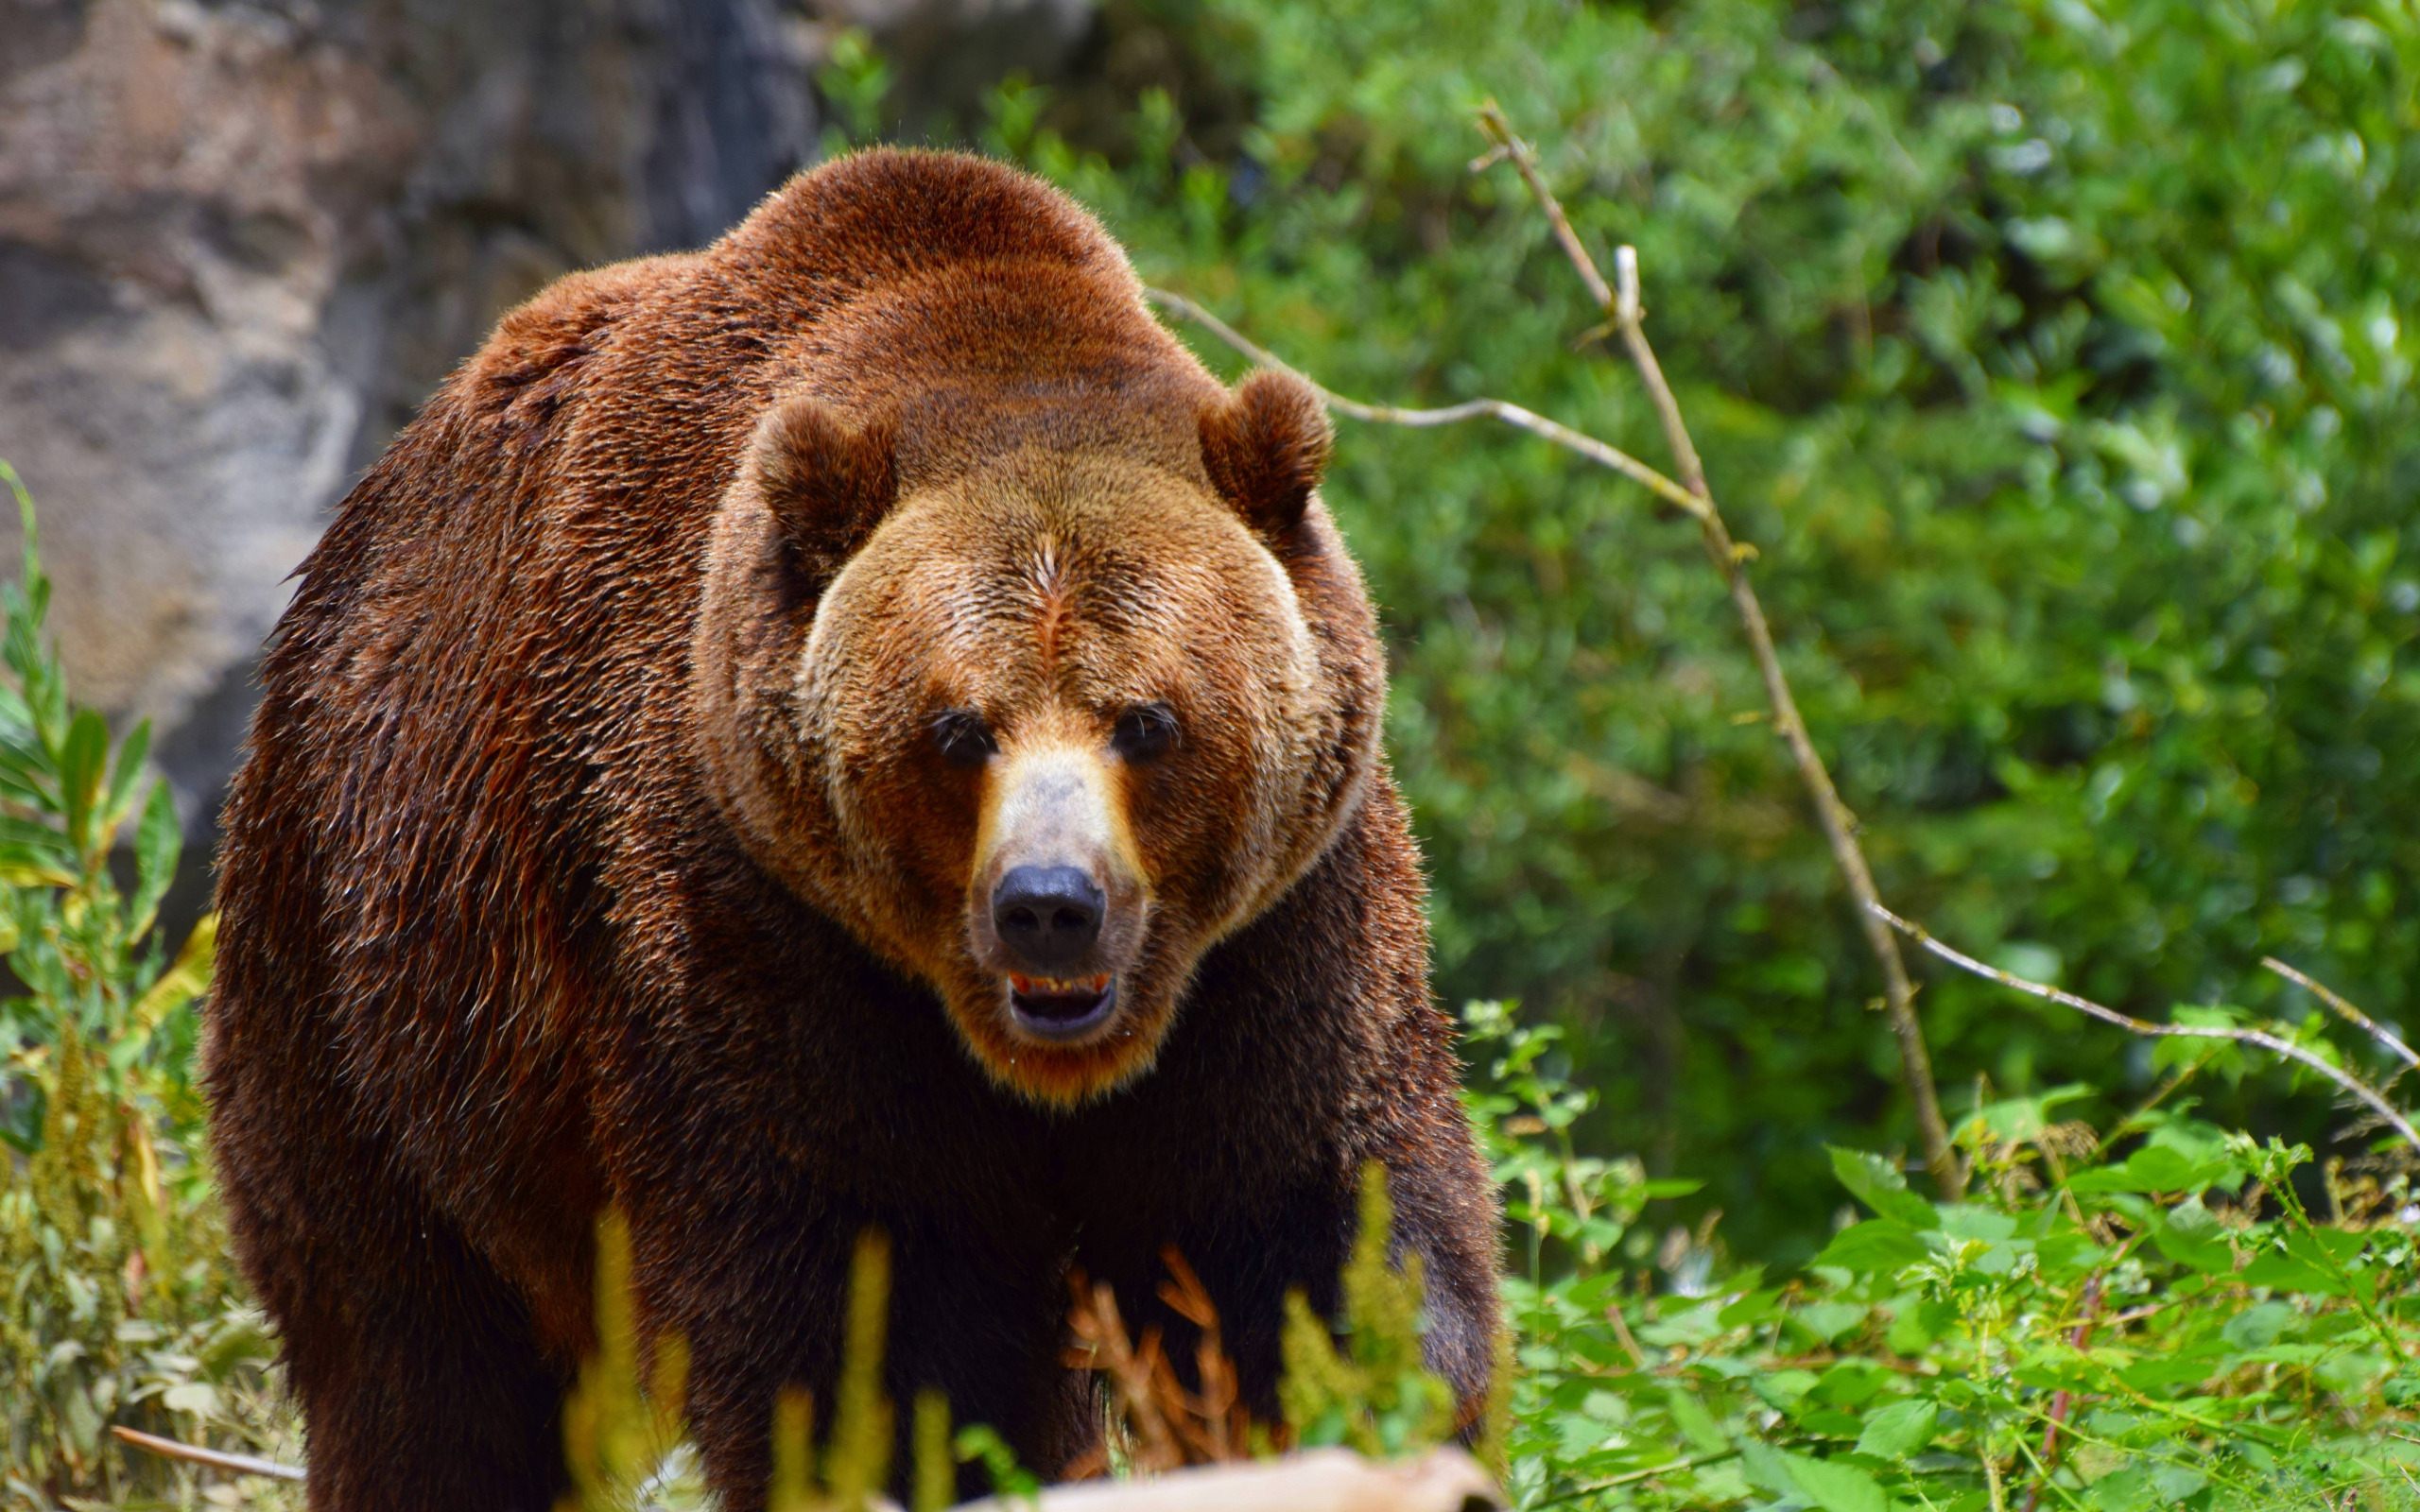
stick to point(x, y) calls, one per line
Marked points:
point(593, 846)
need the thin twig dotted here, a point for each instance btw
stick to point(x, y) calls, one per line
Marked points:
point(216, 1459)
point(1621, 1332)
point(1620, 305)
point(1102, 1345)
point(2352, 1015)
point(1511, 414)
point(2144, 1026)
point(1633, 1477)
point(2060, 1403)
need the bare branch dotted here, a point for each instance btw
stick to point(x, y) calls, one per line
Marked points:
point(2353, 1015)
point(2349, 1083)
point(1633, 1477)
point(195, 1453)
point(1511, 414)
point(1622, 307)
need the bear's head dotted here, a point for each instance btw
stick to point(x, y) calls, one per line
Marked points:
point(1042, 730)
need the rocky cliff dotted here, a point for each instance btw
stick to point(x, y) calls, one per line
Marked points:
point(240, 242)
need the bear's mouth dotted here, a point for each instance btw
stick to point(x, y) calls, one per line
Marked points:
point(1059, 1009)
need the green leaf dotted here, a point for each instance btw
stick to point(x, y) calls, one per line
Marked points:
point(158, 844)
point(2300, 1268)
point(2152, 1168)
point(2259, 1326)
point(1696, 1424)
point(1828, 1321)
point(1918, 1324)
point(2190, 1236)
point(1966, 1220)
point(25, 865)
point(1838, 1486)
point(81, 766)
point(28, 770)
point(131, 753)
point(1878, 1184)
point(1874, 1246)
point(2024, 1118)
point(1899, 1430)
point(183, 982)
point(1768, 1469)
point(2173, 1482)
point(20, 1127)
point(2162, 1169)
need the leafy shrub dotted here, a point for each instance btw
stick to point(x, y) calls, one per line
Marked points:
point(2050, 356)
point(2167, 1329)
point(117, 1301)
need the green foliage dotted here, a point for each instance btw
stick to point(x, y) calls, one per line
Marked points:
point(852, 81)
point(2198, 1338)
point(117, 1302)
point(623, 1423)
point(858, 1461)
point(623, 1418)
point(980, 1443)
point(2050, 354)
point(1553, 1192)
point(1373, 1394)
point(935, 1466)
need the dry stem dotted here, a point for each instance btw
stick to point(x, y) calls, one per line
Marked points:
point(1620, 306)
point(1166, 1426)
point(194, 1453)
point(2351, 1014)
point(2351, 1084)
point(1133, 1370)
point(1513, 415)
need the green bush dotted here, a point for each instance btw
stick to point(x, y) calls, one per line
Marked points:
point(2198, 1338)
point(118, 1304)
point(2050, 356)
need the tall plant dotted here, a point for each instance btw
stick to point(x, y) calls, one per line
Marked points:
point(116, 1301)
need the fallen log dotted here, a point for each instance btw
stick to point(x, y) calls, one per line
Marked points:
point(1320, 1480)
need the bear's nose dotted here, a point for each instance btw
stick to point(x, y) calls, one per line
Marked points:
point(1049, 917)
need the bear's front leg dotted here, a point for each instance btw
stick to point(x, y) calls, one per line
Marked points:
point(422, 1386)
point(765, 1307)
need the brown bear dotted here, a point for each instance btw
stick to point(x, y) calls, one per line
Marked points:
point(849, 729)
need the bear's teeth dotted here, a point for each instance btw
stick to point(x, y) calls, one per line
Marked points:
point(1052, 986)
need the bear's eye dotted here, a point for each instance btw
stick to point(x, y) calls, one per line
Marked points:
point(962, 737)
point(1143, 731)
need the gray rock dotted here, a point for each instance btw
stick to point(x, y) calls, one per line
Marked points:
point(240, 243)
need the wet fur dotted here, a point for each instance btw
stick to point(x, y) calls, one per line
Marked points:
point(524, 910)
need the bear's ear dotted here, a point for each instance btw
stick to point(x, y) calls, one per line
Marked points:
point(1266, 447)
point(826, 484)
